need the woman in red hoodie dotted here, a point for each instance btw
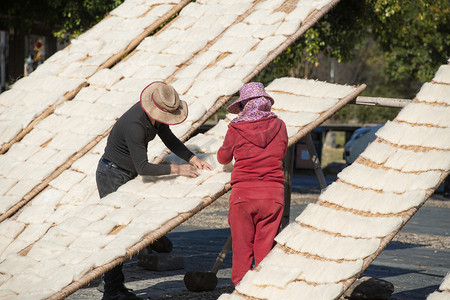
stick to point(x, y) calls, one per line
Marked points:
point(257, 140)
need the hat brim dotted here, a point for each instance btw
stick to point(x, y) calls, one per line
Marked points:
point(154, 112)
point(233, 108)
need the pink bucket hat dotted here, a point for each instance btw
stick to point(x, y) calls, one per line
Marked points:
point(249, 91)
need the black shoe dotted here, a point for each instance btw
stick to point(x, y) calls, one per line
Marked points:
point(122, 294)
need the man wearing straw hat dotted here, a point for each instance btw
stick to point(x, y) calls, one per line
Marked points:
point(126, 156)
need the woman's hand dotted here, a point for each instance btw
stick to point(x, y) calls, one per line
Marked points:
point(199, 164)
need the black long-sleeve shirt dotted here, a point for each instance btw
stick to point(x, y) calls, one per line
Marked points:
point(128, 141)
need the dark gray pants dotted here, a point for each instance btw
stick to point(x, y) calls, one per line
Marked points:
point(109, 179)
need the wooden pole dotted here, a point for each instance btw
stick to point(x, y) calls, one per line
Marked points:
point(380, 101)
point(288, 164)
point(316, 161)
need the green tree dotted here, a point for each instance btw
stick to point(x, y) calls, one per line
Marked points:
point(63, 18)
point(394, 45)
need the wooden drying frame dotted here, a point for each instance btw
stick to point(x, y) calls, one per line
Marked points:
point(108, 63)
point(176, 221)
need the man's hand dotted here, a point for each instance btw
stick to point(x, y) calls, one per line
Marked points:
point(184, 170)
point(199, 164)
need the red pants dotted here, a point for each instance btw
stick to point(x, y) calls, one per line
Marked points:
point(254, 217)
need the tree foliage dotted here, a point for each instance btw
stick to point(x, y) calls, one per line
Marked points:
point(399, 44)
point(63, 18)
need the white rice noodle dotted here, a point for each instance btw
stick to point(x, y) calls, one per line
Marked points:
point(264, 31)
point(139, 230)
point(434, 93)
point(206, 58)
point(16, 264)
point(289, 27)
point(410, 161)
point(328, 246)
point(90, 94)
point(221, 178)
point(234, 44)
point(240, 30)
point(92, 244)
point(42, 156)
point(347, 223)
point(252, 58)
point(443, 74)
point(101, 227)
point(61, 213)
point(206, 189)
point(445, 285)
point(154, 73)
point(105, 256)
point(445, 295)
point(74, 225)
point(66, 180)
point(186, 204)
point(211, 72)
point(39, 136)
point(73, 142)
point(231, 297)
point(180, 130)
point(10, 228)
point(35, 214)
point(301, 12)
point(16, 283)
point(5, 185)
point(74, 257)
point(220, 129)
point(154, 215)
point(388, 180)
point(4, 243)
point(196, 111)
point(422, 113)
point(270, 43)
point(309, 87)
point(297, 119)
point(378, 152)
point(312, 270)
point(121, 242)
point(86, 164)
point(130, 85)
point(23, 187)
point(49, 197)
point(370, 201)
point(294, 291)
point(44, 250)
point(274, 275)
point(121, 199)
point(33, 232)
point(294, 103)
point(228, 86)
point(190, 71)
point(121, 216)
point(237, 72)
point(105, 78)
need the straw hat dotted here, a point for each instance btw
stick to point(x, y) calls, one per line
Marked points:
point(161, 102)
point(249, 91)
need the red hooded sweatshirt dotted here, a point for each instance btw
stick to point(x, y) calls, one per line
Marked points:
point(258, 148)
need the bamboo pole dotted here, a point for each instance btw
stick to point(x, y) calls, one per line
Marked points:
point(380, 101)
point(316, 162)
